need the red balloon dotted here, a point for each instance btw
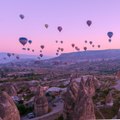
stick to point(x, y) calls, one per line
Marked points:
point(85, 48)
point(42, 46)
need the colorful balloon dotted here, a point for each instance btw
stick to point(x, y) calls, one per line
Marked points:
point(8, 54)
point(85, 48)
point(23, 48)
point(110, 34)
point(28, 49)
point(61, 42)
point(73, 45)
point(85, 41)
point(29, 41)
point(41, 55)
point(90, 42)
point(23, 40)
point(42, 46)
point(98, 46)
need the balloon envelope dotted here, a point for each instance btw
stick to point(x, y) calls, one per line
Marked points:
point(42, 46)
point(85, 48)
point(30, 41)
point(8, 54)
point(98, 46)
point(89, 22)
point(23, 40)
point(110, 34)
point(59, 28)
point(90, 42)
point(46, 25)
point(73, 45)
point(21, 16)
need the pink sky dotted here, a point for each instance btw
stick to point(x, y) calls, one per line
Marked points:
point(70, 14)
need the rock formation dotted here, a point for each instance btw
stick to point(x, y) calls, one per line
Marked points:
point(78, 104)
point(8, 110)
point(10, 89)
point(40, 102)
point(70, 98)
point(109, 99)
point(84, 107)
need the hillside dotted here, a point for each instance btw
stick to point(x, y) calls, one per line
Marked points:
point(88, 55)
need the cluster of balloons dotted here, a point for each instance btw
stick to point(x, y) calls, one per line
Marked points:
point(10, 55)
point(75, 47)
point(24, 40)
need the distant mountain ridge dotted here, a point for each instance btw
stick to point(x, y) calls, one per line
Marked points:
point(89, 55)
point(13, 58)
point(92, 55)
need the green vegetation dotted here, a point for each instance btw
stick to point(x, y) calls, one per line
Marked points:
point(60, 118)
point(23, 110)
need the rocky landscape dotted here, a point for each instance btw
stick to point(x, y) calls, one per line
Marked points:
point(42, 90)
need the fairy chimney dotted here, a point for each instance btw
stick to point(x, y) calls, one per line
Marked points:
point(40, 102)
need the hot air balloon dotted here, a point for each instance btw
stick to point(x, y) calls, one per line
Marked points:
point(21, 16)
point(23, 40)
point(57, 50)
point(73, 45)
point(17, 57)
point(109, 40)
point(56, 41)
point(90, 42)
point(57, 54)
point(46, 25)
point(61, 42)
point(13, 54)
point(42, 46)
point(41, 55)
point(23, 48)
point(59, 28)
point(76, 47)
point(85, 48)
point(41, 51)
point(85, 41)
point(29, 41)
point(98, 46)
point(89, 22)
point(110, 34)
point(62, 49)
point(93, 45)
point(32, 50)
point(28, 49)
point(8, 54)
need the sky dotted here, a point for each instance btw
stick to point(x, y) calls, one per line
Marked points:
point(70, 14)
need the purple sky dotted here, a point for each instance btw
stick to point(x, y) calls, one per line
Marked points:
point(71, 14)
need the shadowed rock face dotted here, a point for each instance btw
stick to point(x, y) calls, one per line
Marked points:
point(78, 104)
point(8, 110)
point(10, 89)
point(84, 107)
point(70, 98)
point(40, 103)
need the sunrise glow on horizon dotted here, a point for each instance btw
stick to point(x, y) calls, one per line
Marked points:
point(71, 15)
